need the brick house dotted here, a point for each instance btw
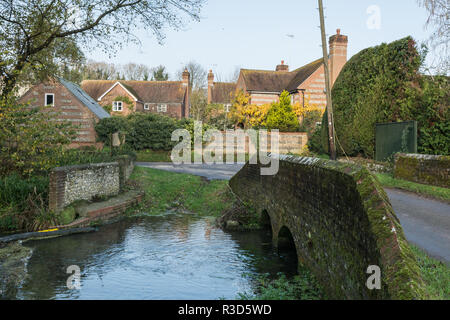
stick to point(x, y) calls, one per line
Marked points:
point(265, 86)
point(170, 98)
point(70, 103)
point(220, 92)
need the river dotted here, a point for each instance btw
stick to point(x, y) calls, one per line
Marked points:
point(173, 256)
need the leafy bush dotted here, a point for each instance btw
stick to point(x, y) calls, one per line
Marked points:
point(29, 139)
point(281, 116)
point(108, 126)
point(150, 131)
point(315, 141)
point(382, 84)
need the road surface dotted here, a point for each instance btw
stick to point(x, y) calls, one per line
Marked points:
point(426, 222)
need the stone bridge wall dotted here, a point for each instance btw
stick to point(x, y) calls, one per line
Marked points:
point(341, 221)
point(85, 182)
point(422, 168)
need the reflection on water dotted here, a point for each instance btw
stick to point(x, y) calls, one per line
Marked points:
point(157, 257)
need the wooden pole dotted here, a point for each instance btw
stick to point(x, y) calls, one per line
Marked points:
point(331, 135)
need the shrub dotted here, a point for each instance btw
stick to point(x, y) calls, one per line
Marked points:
point(108, 126)
point(150, 131)
point(382, 84)
point(281, 115)
point(30, 139)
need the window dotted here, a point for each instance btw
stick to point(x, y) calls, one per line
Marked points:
point(50, 99)
point(117, 106)
point(162, 108)
point(147, 106)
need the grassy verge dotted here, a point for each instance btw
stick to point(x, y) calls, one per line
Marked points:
point(435, 274)
point(432, 191)
point(167, 190)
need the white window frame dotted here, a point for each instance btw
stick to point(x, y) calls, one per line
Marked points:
point(162, 108)
point(146, 106)
point(117, 106)
point(45, 101)
point(227, 107)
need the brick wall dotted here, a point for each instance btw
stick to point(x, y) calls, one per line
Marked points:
point(426, 169)
point(289, 143)
point(341, 222)
point(67, 108)
point(85, 182)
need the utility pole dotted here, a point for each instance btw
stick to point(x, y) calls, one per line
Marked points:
point(331, 135)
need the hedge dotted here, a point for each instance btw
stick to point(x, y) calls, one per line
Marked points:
point(383, 84)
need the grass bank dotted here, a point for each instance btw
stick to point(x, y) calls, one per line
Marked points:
point(167, 190)
point(435, 274)
point(389, 181)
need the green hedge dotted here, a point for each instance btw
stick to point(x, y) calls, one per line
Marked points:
point(383, 84)
point(145, 131)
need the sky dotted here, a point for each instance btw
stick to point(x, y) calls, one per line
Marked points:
point(258, 34)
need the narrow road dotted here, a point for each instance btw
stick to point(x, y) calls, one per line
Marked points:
point(426, 222)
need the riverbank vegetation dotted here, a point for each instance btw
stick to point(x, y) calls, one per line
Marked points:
point(165, 191)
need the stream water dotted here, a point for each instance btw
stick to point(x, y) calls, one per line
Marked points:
point(174, 256)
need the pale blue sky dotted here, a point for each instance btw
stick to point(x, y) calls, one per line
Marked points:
point(254, 33)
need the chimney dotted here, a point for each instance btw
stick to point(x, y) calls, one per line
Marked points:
point(338, 54)
point(186, 76)
point(210, 85)
point(282, 67)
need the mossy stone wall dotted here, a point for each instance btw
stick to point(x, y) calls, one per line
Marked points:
point(342, 222)
point(425, 169)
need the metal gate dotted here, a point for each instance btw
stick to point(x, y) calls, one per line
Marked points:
point(395, 137)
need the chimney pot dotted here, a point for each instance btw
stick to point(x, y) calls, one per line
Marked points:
point(338, 31)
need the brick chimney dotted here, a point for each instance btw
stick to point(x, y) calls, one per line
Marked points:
point(338, 54)
point(186, 76)
point(282, 67)
point(210, 85)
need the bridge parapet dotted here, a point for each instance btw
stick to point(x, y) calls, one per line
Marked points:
point(341, 221)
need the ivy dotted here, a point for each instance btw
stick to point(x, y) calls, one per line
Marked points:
point(382, 84)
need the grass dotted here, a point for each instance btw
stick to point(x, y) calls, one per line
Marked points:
point(300, 287)
point(167, 190)
point(435, 274)
point(389, 181)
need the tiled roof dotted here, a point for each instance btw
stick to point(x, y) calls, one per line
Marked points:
point(277, 81)
point(144, 91)
point(85, 99)
point(222, 92)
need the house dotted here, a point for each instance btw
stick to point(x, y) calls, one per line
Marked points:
point(220, 92)
point(70, 103)
point(265, 86)
point(170, 98)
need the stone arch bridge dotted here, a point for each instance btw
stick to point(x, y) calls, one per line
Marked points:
point(341, 222)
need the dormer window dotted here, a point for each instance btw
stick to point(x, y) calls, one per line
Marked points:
point(117, 106)
point(49, 99)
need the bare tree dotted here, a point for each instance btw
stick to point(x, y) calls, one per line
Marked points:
point(29, 28)
point(439, 20)
point(133, 71)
